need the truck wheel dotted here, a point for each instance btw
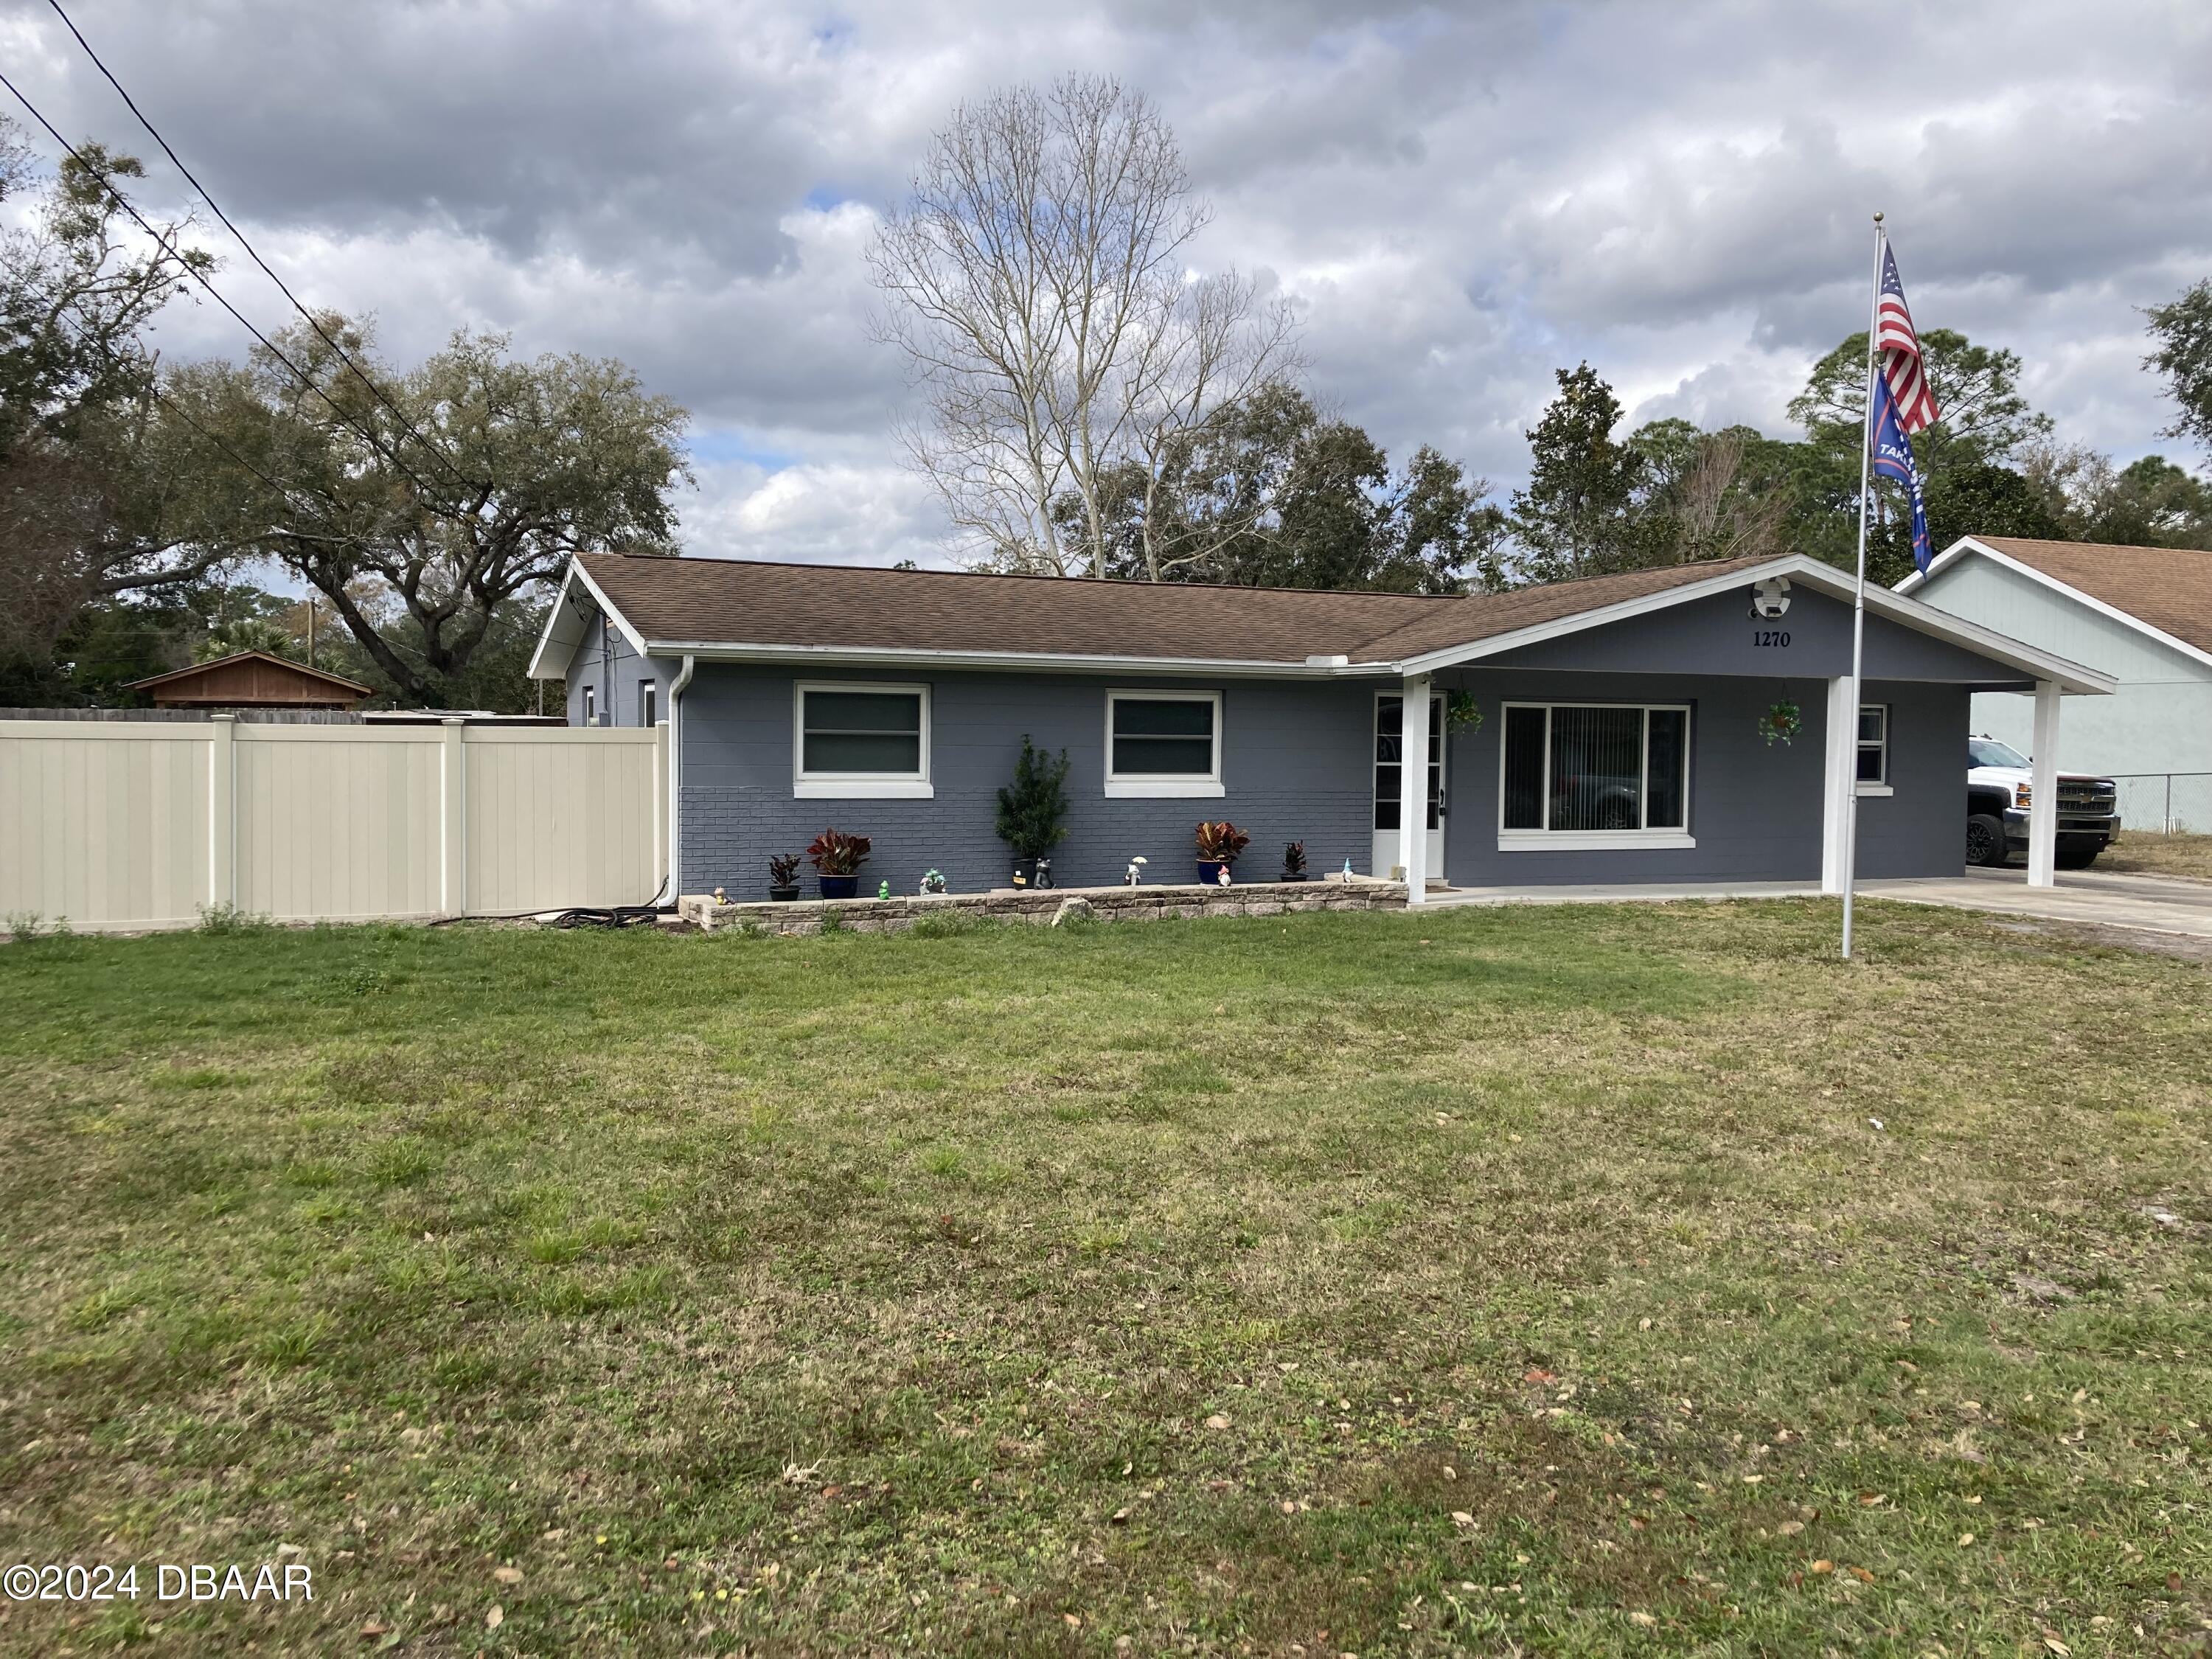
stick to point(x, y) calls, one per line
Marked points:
point(2081, 859)
point(1986, 839)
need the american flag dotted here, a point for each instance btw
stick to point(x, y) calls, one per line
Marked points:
point(1900, 351)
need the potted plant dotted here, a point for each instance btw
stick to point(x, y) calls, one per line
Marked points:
point(837, 858)
point(1461, 712)
point(1782, 720)
point(1294, 861)
point(783, 877)
point(1219, 844)
point(1033, 809)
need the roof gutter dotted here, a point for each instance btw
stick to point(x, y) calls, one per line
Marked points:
point(910, 656)
point(670, 888)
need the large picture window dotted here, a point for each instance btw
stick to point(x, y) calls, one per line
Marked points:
point(860, 741)
point(1594, 776)
point(1164, 743)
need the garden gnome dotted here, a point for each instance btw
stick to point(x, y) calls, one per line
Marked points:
point(1223, 878)
point(1136, 872)
point(883, 888)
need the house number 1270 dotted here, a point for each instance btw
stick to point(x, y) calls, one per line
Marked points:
point(1770, 636)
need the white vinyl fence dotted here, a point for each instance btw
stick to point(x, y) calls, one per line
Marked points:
point(131, 824)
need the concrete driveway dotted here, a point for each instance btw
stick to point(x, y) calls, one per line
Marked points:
point(2159, 904)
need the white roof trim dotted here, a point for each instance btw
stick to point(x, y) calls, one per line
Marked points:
point(565, 623)
point(910, 656)
point(1813, 573)
point(1958, 550)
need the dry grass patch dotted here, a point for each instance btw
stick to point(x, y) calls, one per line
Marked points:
point(1575, 1280)
point(2138, 853)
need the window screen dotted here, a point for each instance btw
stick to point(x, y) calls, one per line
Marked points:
point(1874, 743)
point(1163, 738)
point(845, 733)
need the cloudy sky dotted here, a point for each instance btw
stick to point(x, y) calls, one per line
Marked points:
point(1459, 198)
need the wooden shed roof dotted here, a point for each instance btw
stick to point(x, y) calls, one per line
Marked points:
point(252, 679)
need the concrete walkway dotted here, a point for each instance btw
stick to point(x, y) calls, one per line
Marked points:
point(2151, 903)
point(2158, 904)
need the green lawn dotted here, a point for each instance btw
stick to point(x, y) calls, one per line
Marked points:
point(1523, 1279)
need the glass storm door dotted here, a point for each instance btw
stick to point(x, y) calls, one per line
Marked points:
point(1389, 708)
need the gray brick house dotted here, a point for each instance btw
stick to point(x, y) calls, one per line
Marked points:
point(1606, 730)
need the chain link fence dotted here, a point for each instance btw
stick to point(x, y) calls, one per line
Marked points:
point(2166, 803)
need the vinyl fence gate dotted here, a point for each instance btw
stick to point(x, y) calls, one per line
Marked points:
point(127, 825)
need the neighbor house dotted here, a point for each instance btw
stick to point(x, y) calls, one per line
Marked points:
point(251, 679)
point(2142, 615)
point(1604, 730)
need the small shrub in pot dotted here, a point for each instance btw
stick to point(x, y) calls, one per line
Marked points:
point(783, 877)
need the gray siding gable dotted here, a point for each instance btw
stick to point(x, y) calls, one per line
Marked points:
point(1718, 636)
point(605, 662)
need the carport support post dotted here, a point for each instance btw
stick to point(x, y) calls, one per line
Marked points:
point(1413, 787)
point(2042, 790)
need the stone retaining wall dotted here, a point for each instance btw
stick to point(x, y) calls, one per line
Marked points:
point(874, 915)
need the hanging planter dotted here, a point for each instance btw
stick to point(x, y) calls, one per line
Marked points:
point(1781, 722)
point(1461, 713)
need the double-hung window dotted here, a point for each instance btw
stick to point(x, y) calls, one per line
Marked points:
point(1585, 777)
point(646, 699)
point(590, 706)
point(1163, 743)
point(1874, 749)
point(859, 741)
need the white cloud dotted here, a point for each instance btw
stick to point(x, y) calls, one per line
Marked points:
point(1462, 199)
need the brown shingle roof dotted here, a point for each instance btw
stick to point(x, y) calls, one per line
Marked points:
point(742, 602)
point(2168, 587)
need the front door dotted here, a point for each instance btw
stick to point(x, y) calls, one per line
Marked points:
point(1389, 709)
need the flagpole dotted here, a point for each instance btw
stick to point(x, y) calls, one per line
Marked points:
point(1858, 599)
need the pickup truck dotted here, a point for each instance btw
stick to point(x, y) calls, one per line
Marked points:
point(1999, 782)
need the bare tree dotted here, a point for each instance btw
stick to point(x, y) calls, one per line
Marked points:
point(1716, 517)
point(1038, 284)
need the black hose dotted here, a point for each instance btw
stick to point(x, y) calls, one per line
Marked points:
point(617, 915)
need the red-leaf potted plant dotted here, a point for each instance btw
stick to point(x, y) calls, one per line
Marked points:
point(1219, 844)
point(837, 858)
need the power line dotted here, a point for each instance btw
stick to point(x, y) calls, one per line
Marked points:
point(291, 496)
point(168, 246)
point(252, 253)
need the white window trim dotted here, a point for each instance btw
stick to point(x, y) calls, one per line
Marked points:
point(1872, 788)
point(648, 701)
point(590, 706)
point(1596, 841)
point(855, 786)
point(1589, 840)
point(1138, 785)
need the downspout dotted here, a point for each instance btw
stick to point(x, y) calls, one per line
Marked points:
point(675, 771)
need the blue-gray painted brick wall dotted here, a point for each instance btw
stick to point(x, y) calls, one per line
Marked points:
point(1754, 808)
point(1295, 766)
